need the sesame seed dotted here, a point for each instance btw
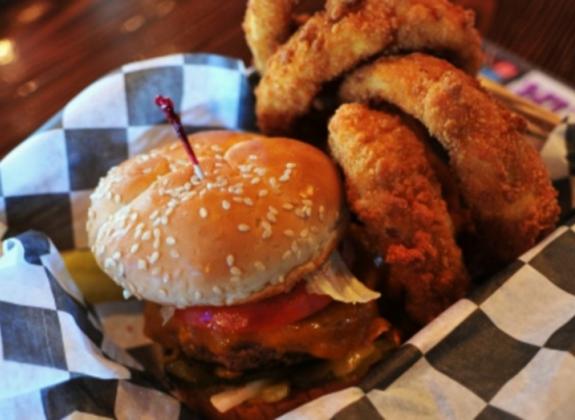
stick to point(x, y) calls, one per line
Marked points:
point(266, 234)
point(166, 278)
point(255, 180)
point(271, 217)
point(235, 279)
point(154, 214)
point(109, 195)
point(286, 255)
point(203, 212)
point(121, 270)
point(117, 198)
point(226, 205)
point(290, 165)
point(287, 206)
point(289, 233)
point(170, 240)
point(235, 271)
point(252, 157)
point(248, 201)
point(273, 210)
point(197, 295)
point(109, 263)
point(259, 266)
point(163, 291)
point(304, 233)
point(262, 193)
point(154, 257)
point(133, 216)
point(230, 259)
point(237, 199)
point(174, 254)
point(126, 294)
point(156, 233)
point(134, 248)
point(260, 171)
point(116, 256)
point(146, 235)
point(142, 264)
point(155, 271)
point(217, 290)
point(281, 279)
point(242, 227)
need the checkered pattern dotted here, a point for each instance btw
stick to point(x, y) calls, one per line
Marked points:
point(56, 356)
point(508, 351)
point(46, 181)
point(505, 352)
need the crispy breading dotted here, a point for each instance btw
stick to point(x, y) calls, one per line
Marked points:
point(393, 190)
point(335, 41)
point(267, 25)
point(501, 176)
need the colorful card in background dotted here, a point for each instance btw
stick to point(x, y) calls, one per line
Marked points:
point(529, 83)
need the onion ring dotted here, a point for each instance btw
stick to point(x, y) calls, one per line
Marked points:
point(267, 25)
point(502, 178)
point(392, 188)
point(336, 40)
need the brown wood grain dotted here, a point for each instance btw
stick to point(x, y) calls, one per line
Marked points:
point(59, 47)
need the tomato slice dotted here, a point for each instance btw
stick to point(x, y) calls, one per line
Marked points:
point(275, 311)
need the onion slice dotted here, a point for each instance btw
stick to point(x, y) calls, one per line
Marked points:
point(229, 399)
point(335, 280)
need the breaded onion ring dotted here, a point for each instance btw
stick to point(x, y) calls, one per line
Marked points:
point(502, 178)
point(393, 190)
point(334, 41)
point(267, 25)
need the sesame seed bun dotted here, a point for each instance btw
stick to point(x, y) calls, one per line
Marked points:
point(269, 211)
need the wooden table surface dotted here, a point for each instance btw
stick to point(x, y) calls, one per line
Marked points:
point(50, 50)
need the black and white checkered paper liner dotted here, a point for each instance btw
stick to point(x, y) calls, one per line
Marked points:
point(507, 351)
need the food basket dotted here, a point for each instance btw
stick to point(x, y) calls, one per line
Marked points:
point(506, 350)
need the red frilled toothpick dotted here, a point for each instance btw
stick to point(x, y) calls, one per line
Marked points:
point(167, 106)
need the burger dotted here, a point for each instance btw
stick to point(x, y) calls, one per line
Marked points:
point(245, 288)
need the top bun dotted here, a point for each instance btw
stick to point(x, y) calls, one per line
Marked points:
point(269, 211)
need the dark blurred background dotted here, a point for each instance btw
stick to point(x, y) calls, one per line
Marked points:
point(50, 50)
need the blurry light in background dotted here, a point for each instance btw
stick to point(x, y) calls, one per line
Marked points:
point(33, 12)
point(164, 7)
point(133, 24)
point(7, 51)
point(27, 88)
